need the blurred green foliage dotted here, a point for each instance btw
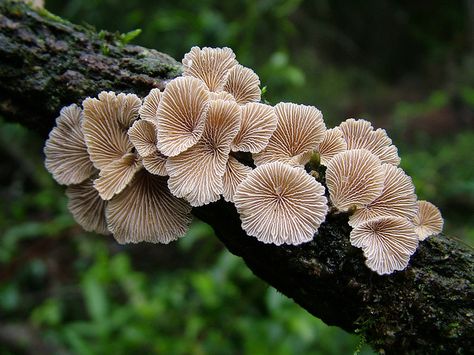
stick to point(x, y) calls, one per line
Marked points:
point(406, 67)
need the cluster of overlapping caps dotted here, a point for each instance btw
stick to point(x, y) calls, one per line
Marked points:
point(134, 168)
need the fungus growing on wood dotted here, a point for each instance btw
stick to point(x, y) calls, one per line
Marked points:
point(354, 178)
point(105, 125)
point(428, 220)
point(398, 198)
point(66, 151)
point(117, 175)
point(387, 243)
point(299, 130)
point(86, 206)
point(221, 95)
point(235, 173)
point(196, 174)
point(149, 109)
point(259, 121)
point(147, 211)
point(155, 164)
point(332, 144)
point(143, 137)
point(280, 204)
point(359, 134)
point(211, 65)
point(243, 84)
point(181, 115)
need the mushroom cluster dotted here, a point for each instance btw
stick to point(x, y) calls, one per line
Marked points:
point(135, 168)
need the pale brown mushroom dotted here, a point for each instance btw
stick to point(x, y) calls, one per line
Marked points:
point(105, 126)
point(428, 220)
point(235, 173)
point(66, 152)
point(155, 164)
point(300, 130)
point(117, 175)
point(387, 243)
point(86, 206)
point(143, 137)
point(221, 95)
point(147, 211)
point(211, 65)
point(280, 204)
point(398, 198)
point(196, 174)
point(243, 84)
point(181, 115)
point(332, 144)
point(354, 178)
point(359, 134)
point(259, 121)
point(149, 109)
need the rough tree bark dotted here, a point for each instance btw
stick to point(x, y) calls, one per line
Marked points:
point(46, 63)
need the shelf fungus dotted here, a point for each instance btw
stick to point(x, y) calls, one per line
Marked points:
point(149, 109)
point(181, 115)
point(211, 65)
point(428, 220)
point(147, 211)
point(243, 84)
point(66, 153)
point(280, 204)
point(332, 144)
point(86, 206)
point(354, 178)
point(398, 198)
point(197, 173)
point(259, 121)
point(134, 169)
point(387, 243)
point(299, 131)
point(359, 134)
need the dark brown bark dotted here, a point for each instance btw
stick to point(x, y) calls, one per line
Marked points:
point(46, 63)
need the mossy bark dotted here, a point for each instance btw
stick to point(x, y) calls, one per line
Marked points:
point(47, 63)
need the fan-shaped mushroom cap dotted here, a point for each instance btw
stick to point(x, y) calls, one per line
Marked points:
point(300, 129)
point(221, 95)
point(332, 144)
point(116, 176)
point(105, 126)
point(211, 65)
point(243, 84)
point(149, 109)
point(155, 164)
point(259, 121)
point(354, 178)
point(398, 198)
point(428, 220)
point(387, 242)
point(143, 137)
point(146, 211)
point(359, 134)
point(196, 174)
point(181, 115)
point(87, 208)
point(235, 173)
point(66, 152)
point(280, 204)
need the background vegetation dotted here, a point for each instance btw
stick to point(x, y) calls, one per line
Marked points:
point(406, 66)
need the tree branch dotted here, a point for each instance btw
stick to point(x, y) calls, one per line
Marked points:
point(47, 63)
